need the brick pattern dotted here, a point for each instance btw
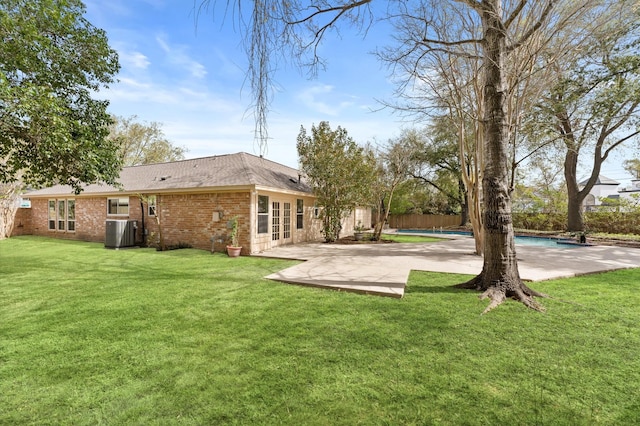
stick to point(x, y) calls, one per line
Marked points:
point(22, 225)
point(91, 214)
point(198, 220)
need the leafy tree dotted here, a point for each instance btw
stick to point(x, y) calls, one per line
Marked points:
point(633, 167)
point(340, 172)
point(414, 197)
point(51, 129)
point(9, 203)
point(143, 143)
point(593, 105)
point(436, 163)
point(499, 30)
point(52, 60)
point(394, 161)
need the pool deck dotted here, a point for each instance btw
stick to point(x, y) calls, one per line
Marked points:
point(383, 269)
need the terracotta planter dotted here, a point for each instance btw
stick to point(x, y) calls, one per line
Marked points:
point(233, 251)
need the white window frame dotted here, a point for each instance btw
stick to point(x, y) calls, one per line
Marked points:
point(71, 219)
point(275, 221)
point(263, 216)
point(286, 221)
point(52, 215)
point(152, 205)
point(299, 213)
point(118, 206)
point(61, 215)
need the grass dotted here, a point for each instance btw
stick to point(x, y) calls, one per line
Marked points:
point(92, 336)
point(604, 235)
point(410, 238)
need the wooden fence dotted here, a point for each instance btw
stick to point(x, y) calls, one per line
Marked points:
point(423, 221)
point(609, 222)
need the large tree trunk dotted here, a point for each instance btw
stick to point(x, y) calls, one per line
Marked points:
point(470, 180)
point(499, 278)
point(575, 222)
point(475, 216)
point(575, 218)
point(9, 203)
point(464, 204)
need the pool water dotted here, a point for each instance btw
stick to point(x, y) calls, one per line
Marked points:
point(519, 239)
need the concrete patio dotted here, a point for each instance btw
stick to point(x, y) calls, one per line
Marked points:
point(383, 269)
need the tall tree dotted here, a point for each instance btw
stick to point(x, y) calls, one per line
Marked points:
point(436, 162)
point(593, 107)
point(449, 93)
point(446, 85)
point(500, 29)
point(340, 172)
point(9, 203)
point(143, 143)
point(394, 162)
point(52, 60)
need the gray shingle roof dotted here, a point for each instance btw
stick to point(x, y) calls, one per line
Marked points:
point(602, 180)
point(226, 171)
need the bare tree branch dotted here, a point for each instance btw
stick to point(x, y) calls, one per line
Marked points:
point(534, 28)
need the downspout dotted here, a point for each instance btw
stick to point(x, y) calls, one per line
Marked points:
point(144, 233)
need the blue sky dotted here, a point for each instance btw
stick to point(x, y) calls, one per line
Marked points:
point(190, 76)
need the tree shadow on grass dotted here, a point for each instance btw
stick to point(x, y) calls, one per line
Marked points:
point(433, 289)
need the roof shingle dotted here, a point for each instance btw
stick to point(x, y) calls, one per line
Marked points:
point(230, 170)
point(602, 180)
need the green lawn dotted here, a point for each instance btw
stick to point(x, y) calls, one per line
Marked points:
point(410, 238)
point(93, 336)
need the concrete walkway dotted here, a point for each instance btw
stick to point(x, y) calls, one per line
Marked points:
point(383, 269)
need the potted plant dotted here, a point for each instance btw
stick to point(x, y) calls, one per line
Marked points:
point(233, 250)
point(358, 231)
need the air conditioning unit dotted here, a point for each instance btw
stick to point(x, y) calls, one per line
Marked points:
point(120, 233)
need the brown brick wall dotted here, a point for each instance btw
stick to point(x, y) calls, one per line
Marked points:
point(22, 224)
point(91, 214)
point(193, 219)
point(197, 218)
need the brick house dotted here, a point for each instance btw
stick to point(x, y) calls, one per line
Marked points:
point(192, 200)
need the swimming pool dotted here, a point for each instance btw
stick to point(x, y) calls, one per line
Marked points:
point(524, 240)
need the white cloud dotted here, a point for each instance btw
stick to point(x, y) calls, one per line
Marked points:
point(133, 83)
point(133, 59)
point(146, 95)
point(192, 85)
point(177, 55)
point(330, 105)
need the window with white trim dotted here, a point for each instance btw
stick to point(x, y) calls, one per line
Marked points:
point(286, 221)
point(275, 221)
point(62, 215)
point(299, 214)
point(151, 204)
point(118, 206)
point(71, 215)
point(263, 214)
point(52, 215)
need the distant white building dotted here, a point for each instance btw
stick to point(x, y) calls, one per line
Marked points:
point(632, 192)
point(604, 188)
